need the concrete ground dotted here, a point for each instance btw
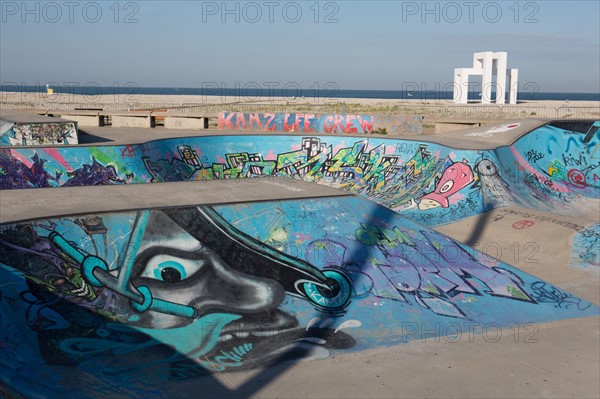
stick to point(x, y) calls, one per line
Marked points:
point(550, 360)
point(553, 360)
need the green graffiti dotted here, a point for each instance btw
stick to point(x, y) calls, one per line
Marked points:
point(375, 235)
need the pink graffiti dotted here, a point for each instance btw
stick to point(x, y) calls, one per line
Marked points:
point(56, 155)
point(456, 177)
point(129, 151)
point(543, 179)
point(271, 156)
point(577, 178)
point(21, 158)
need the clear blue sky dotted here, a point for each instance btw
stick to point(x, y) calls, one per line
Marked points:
point(365, 45)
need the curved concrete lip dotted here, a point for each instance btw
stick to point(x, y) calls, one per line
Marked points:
point(28, 204)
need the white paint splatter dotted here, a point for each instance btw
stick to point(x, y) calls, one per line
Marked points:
point(349, 324)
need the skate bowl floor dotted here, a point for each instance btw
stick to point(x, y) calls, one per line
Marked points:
point(230, 265)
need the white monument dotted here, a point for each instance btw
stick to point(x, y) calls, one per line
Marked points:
point(486, 64)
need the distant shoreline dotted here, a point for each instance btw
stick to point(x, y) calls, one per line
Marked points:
point(199, 100)
point(291, 92)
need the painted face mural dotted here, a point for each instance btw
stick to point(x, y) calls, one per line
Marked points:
point(187, 273)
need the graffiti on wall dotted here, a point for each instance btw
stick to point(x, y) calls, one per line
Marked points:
point(32, 173)
point(584, 251)
point(174, 270)
point(555, 164)
point(362, 168)
point(326, 123)
point(13, 134)
point(430, 183)
point(203, 289)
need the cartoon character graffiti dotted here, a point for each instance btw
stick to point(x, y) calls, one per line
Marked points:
point(456, 177)
point(189, 280)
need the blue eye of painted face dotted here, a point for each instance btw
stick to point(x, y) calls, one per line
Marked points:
point(171, 269)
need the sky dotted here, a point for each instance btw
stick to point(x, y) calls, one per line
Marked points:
point(384, 45)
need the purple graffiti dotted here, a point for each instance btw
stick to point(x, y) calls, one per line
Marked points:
point(94, 174)
point(433, 270)
point(16, 174)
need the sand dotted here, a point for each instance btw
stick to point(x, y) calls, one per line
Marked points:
point(174, 100)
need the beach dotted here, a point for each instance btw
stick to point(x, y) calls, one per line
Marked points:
point(432, 111)
point(124, 98)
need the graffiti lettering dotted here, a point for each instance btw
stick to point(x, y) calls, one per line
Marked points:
point(534, 156)
point(545, 293)
point(563, 223)
point(572, 161)
point(13, 134)
point(313, 123)
point(129, 151)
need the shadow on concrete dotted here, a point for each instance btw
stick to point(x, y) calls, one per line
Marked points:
point(88, 138)
point(480, 224)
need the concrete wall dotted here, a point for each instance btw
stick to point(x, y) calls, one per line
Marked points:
point(85, 120)
point(175, 122)
point(133, 121)
point(328, 123)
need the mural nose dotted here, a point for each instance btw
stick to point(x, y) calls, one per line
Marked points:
point(239, 292)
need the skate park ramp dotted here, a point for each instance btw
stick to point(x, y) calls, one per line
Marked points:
point(157, 298)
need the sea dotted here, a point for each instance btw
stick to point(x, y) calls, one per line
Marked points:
point(292, 92)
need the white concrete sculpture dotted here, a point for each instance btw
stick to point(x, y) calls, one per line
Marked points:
point(487, 64)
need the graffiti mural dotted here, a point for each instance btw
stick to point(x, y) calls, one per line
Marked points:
point(454, 178)
point(125, 303)
point(428, 182)
point(16, 172)
point(584, 251)
point(172, 294)
point(494, 190)
point(52, 133)
point(175, 270)
point(554, 164)
point(327, 123)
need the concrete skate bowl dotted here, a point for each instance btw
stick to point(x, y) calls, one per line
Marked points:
point(148, 302)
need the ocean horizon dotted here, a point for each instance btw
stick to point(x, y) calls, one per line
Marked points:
point(293, 93)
